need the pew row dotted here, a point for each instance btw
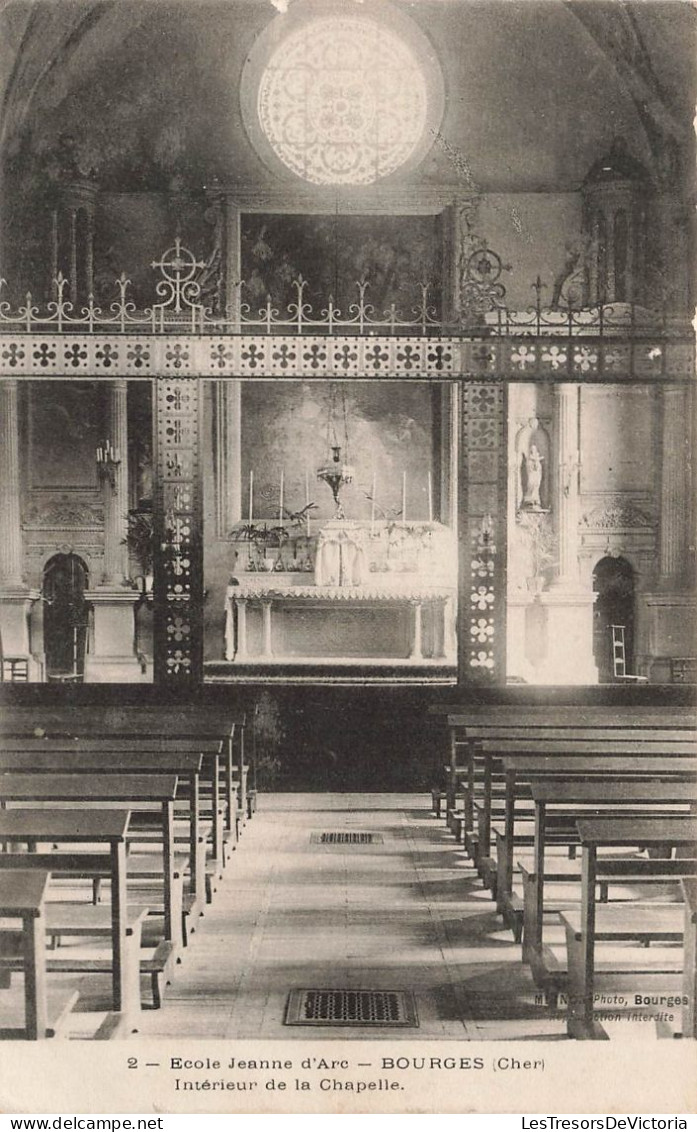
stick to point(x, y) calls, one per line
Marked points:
point(590, 928)
point(23, 900)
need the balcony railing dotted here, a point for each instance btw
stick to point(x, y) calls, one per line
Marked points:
point(180, 336)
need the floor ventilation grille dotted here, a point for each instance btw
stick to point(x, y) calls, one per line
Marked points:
point(351, 1008)
point(346, 837)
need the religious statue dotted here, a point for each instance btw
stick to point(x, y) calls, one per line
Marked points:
point(532, 479)
point(532, 467)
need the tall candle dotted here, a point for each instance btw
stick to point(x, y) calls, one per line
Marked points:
point(307, 502)
point(430, 499)
point(251, 496)
point(404, 497)
point(280, 500)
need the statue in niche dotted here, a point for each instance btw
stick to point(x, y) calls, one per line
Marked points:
point(532, 446)
point(532, 479)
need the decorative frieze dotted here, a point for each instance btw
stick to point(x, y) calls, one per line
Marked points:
point(616, 513)
point(308, 356)
point(64, 513)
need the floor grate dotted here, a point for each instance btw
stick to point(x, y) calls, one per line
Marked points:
point(346, 837)
point(351, 1008)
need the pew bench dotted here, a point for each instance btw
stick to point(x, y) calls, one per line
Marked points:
point(588, 925)
point(604, 744)
point(517, 829)
point(100, 837)
point(577, 798)
point(86, 780)
point(464, 726)
point(135, 756)
point(87, 928)
point(189, 724)
point(689, 986)
point(23, 899)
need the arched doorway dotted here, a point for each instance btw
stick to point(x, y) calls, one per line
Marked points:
point(613, 582)
point(65, 617)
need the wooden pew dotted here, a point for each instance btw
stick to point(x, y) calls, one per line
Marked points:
point(187, 722)
point(210, 751)
point(91, 759)
point(98, 827)
point(128, 790)
point(473, 772)
point(521, 771)
point(689, 984)
point(576, 798)
point(23, 898)
point(606, 744)
point(464, 737)
point(590, 924)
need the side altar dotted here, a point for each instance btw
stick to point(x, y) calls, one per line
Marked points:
point(349, 593)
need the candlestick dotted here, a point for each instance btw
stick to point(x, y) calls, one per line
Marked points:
point(430, 499)
point(280, 501)
point(372, 505)
point(404, 497)
point(251, 495)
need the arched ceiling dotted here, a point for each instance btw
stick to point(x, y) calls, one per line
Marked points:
point(145, 93)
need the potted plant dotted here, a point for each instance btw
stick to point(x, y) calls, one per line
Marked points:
point(139, 539)
point(539, 537)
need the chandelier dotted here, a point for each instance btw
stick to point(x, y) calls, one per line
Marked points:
point(338, 470)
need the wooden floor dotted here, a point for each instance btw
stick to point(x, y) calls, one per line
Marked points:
point(407, 913)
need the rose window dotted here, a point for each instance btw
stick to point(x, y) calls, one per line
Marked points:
point(343, 100)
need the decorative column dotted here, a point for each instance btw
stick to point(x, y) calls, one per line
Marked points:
point(228, 393)
point(671, 609)
point(675, 486)
point(266, 649)
point(116, 498)
point(568, 604)
point(112, 658)
point(11, 542)
point(179, 536)
point(228, 454)
point(482, 540)
point(416, 631)
point(566, 411)
point(15, 597)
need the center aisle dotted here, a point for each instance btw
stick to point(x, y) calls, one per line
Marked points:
point(401, 913)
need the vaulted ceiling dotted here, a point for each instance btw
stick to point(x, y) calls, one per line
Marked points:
point(145, 93)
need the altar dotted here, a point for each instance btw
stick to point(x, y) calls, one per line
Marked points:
point(360, 595)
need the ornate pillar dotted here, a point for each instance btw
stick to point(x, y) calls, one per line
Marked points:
point(11, 542)
point(15, 597)
point(675, 486)
point(116, 498)
point(113, 655)
point(228, 454)
point(179, 536)
point(568, 604)
point(671, 609)
point(566, 411)
point(482, 539)
point(228, 394)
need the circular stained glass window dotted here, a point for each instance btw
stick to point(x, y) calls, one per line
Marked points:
point(343, 101)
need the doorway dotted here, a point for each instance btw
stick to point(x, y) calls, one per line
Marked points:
point(66, 615)
point(614, 584)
